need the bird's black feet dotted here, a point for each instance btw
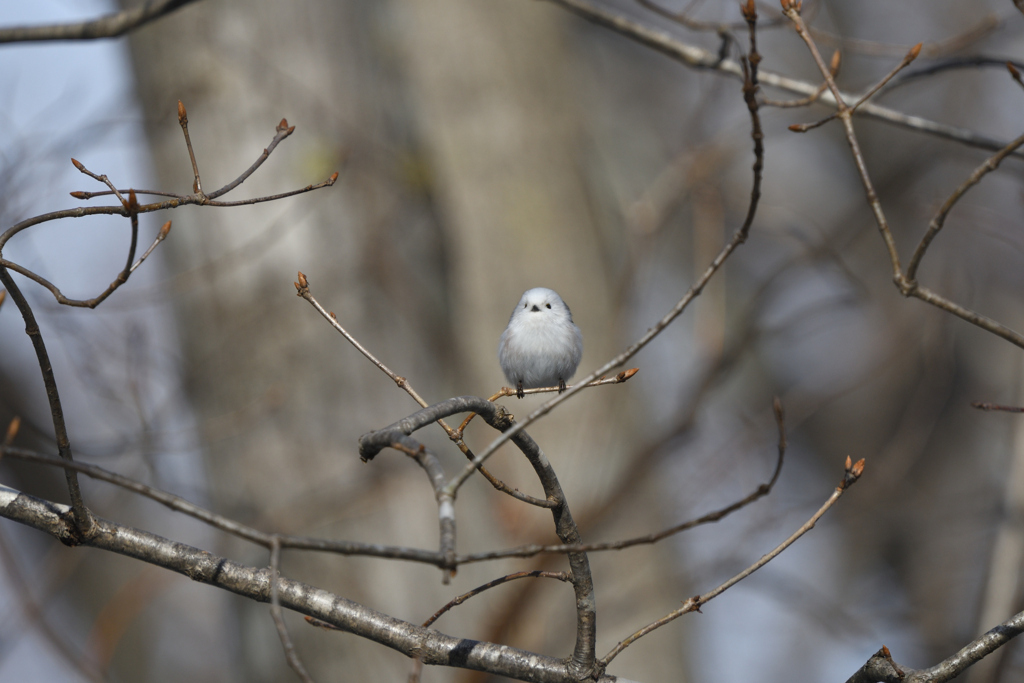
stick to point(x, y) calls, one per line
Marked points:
point(519, 389)
point(561, 385)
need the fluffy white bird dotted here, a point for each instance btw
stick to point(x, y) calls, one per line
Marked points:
point(541, 346)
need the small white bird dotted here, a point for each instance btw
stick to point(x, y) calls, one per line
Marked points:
point(541, 346)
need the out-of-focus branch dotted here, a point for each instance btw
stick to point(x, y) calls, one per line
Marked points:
point(904, 283)
point(850, 477)
point(275, 612)
point(34, 612)
point(434, 647)
point(881, 667)
point(990, 164)
point(699, 58)
point(109, 26)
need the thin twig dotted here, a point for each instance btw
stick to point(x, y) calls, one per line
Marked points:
point(282, 131)
point(1015, 74)
point(995, 406)
point(109, 26)
point(509, 391)
point(275, 612)
point(906, 285)
point(83, 518)
point(197, 185)
point(813, 97)
point(907, 59)
point(715, 516)
point(852, 473)
point(990, 164)
point(160, 237)
point(455, 602)
point(101, 178)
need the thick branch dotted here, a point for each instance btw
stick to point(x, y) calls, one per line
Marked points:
point(432, 646)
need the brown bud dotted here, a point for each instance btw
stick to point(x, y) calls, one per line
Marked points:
point(3, 296)
point(836, 60)
point(626, 374)
point(849, 463)
point(12, 430)
point(133, 201)
point(283, 125)
point(858, 468)
point(333, 178)
point(165, 230)
point(78, 164)
point(78, 194)
point(798, 128)
point(1013, 70)
point(303, 282)
point(914, 52)
point(182, 115)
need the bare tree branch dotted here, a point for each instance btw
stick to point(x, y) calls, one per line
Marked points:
point(759, 492)
point(582, 661)
point(905, 284)
point(109, 26)
point(700, 58)
point(852, 474)
point(881, 667)
point(434, 647)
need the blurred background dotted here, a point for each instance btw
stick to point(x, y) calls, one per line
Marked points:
point(485, 148)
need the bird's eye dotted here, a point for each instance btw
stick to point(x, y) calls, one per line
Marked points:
point(549, 305)
point(525, 305)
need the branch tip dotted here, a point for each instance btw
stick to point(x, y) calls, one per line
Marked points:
point(165, 230)
point(626, 374)
point(133, 201)
point(333, 178)
point(78, 194)
point(182, 115)
point(303, 282)
point(78, 164)
point(914, 52)
point(283, 125)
